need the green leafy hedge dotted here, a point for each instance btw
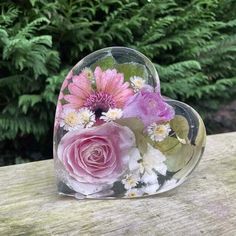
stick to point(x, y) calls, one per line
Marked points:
point(192, 43)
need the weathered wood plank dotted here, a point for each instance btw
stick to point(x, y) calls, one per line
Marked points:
point(203, 205)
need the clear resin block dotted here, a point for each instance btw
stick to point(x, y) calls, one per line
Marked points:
point(116, 136)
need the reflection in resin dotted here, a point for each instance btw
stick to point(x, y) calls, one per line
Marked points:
point(116, 136)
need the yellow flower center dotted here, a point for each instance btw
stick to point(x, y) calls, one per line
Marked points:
point(132, 194)
point(90, 74)
point(113, 114)
point(85, 117)
point(160, 130)
point(71, 119)
point(130, 180)
point(139, 83)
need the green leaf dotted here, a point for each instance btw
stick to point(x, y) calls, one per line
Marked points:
point(33, 2)
point(168, 145)
point(179, 156)
point(131, 69)
point(28, 100)
point(135, 124)
point(137, 127)
point(105, 63)
point(181, 127)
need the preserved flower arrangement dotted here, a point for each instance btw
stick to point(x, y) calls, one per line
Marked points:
point(116, 136)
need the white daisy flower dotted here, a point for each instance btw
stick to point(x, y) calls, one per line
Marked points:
point(137, 83)
point(158, 132)
point(112, 114)
point(70, 119)
point(134, 192)
point(130, 181)
point(89, 73)
point(86, 117)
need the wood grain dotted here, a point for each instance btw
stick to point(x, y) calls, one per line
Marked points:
point(204, 205)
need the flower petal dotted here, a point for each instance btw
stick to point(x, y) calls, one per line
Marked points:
point(77, 101)
point(149, 178)
point(86, 188)
point(151, 189)
point(133, 160)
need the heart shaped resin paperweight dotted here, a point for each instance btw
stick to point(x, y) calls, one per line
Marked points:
point(116, 136)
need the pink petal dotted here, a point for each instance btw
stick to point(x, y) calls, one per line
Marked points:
point(71, 106)
point(74, 99)
point(82, 82)
point(98, 76)
point(78, 91)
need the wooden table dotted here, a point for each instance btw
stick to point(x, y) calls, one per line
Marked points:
point(204, 205)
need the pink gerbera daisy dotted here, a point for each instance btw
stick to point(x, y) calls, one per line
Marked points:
point(111, 91)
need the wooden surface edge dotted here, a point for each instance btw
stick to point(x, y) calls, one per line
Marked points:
point(204, 205)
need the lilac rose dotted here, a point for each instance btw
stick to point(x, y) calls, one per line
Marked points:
point(96, 157)
point(149, 107)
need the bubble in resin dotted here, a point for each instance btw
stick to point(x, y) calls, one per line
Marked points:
point(116, 136)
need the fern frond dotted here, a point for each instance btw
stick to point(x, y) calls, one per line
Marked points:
point(30, 28)
point(27, 101)
point(9, 12)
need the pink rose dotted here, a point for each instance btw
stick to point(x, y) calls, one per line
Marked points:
point(96, 157)
point(148, 106)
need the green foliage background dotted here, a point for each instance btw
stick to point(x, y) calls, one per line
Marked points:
point(192, 43)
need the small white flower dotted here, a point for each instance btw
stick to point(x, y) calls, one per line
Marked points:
point(130, 181)
point(153, 159)
point(149, 177)
point(158, 132)
point(112, 114)
point(134, 192)
point(88, 73)
point(70, 119)
point(137, 83)
point(147, 165)
point(151, 188)
point(86, 117)
point(134, 159)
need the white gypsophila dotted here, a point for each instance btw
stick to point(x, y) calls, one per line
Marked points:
point(130, 181)
point(147, 165)
point(134, 160)
point(86, 117)
point(153, 159)
point(158, 132)
point(137, 83)
point(134, 192)
point(151, 188)
point(112, 114)
point(69, 119)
